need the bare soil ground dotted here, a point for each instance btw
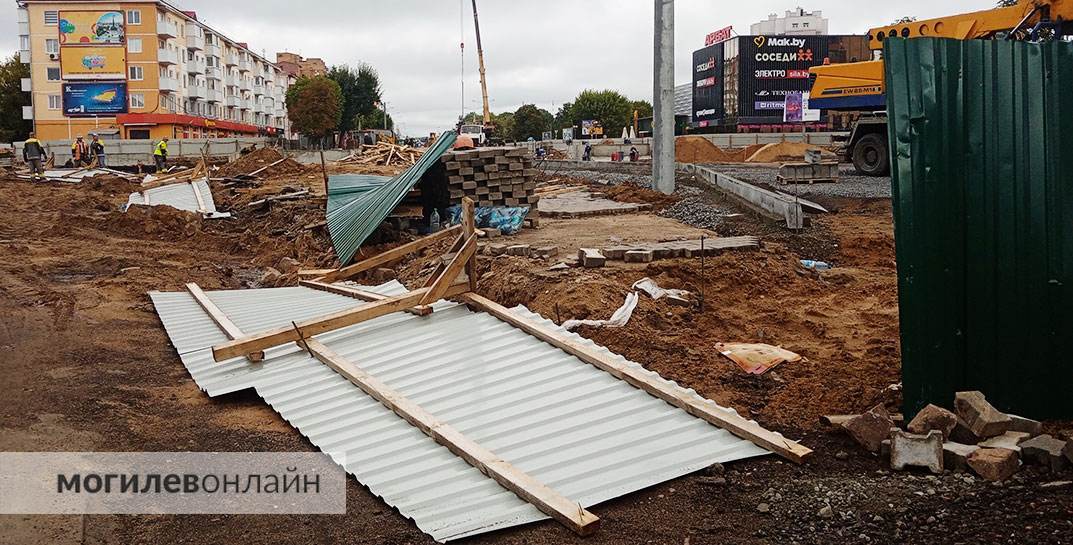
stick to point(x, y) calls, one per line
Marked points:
point(86, 365)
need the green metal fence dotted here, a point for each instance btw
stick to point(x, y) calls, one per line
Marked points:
point(981, 139)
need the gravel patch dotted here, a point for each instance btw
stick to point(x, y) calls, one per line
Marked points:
point(849, 184)
point(606, 178)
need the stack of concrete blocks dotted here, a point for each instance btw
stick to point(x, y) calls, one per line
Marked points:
point(492, 177)
point(975, 436)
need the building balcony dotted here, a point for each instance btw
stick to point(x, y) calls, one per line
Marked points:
point(246, 104)
point(214, 95)
point(169, 85)
point(195, 66)
point(167, 56)
point(197, 91)
point(245, 65)
point(24, 56)
point(193, 41)
point(231, 60)
point(167, 29)
point(214, 72)
point(259, 90)
point(213, 50)
point(231, 81)
point(233, 101)
point(245, 84)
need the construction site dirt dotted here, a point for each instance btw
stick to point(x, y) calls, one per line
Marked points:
point(88, 367)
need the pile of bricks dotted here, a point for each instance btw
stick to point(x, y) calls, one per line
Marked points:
point(492, 177)
point(975, 437)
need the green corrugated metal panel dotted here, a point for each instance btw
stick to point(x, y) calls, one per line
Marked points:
point(343, 188)
point(351, 223)
point(981, 138)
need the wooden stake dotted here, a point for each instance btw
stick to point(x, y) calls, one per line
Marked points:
point(469, 221)
point(658, 387)
point(447, 278)
point(222, 321)
point(559, 507)
point(324, 170)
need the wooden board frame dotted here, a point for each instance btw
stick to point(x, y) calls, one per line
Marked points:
point(356, 293)
point(222, 321)
point(350, 271)
point(568, 512)
point(657, 387)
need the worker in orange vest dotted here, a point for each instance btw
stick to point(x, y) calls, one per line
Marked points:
point(79, 152)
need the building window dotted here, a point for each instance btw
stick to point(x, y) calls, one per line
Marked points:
point(24, 42)
point(52, 46)
point(137, 73)
point(134, 16)
point(795, 25)
point(805, 25)
point(134, 45)
point(53, 74)
point(52, 18)
point(137, 100)
point(54, 102)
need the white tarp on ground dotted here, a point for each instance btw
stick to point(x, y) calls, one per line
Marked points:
point(570, 425)
point(179, 195)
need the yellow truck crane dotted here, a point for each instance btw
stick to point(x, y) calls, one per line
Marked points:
point(858, 87)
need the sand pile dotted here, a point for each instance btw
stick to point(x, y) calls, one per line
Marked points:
point(697, 149)
point(785, 152)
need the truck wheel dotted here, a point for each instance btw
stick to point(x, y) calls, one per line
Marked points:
point(870, 155)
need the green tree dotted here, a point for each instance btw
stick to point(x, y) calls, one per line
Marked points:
point(315, 106)
point(642, 107)
point(504, 125)
point(565, 116)
point(530, 121)
point(608, 107)
point(361, 92)
point(374, 120)
point(12, 98)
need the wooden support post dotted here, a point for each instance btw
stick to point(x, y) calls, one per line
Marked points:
point(469, 222)
point(447, 277)
point(222, 321)
point(324, 170)
point(455, 248)
point(566, 511)
point(316, 326)
point(388, 256)
point(660, 388)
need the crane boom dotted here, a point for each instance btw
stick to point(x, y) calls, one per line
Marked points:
point(480, 61)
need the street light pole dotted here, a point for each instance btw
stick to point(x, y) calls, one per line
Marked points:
point(663, 98)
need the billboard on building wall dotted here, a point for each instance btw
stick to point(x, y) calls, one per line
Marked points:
point(93, 62)
point(92, 28)
point(96, 98)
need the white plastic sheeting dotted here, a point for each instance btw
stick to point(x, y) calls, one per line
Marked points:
point(568, 424)
point(179, 195)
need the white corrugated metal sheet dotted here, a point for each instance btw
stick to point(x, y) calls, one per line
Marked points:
point(180, 195)
point(570, 425)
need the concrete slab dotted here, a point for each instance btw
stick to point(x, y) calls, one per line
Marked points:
point(581, 203)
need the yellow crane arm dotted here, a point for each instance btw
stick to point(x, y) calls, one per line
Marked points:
point(977, 24)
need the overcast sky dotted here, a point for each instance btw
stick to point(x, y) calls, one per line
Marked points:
point(536, 51)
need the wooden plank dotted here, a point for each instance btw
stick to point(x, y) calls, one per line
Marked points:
point(357, 293)
point(229, 328)
point(566, 511)
point(197, 194)
point(266, 167)
point(660, 388)
point(388, 256)
point(314, 273)
point(322, 324)
point(447, 277)
point(441, 265)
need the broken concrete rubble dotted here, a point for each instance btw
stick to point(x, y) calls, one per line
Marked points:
point(956, 455)
point(980, 416)
point(910, 449)
point(1026, 425)
point(519, 250)
point(545, 251)
point(1068, 450)
point(1045, 450)
point(962, 434)
point(933, 417)
point(994, 464)
point(638, 256)
point(871, 428)
point(590, 258)
point(1009, 440)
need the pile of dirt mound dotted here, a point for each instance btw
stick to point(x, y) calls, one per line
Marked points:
point(785, 151)
point(261, 158)
point(697, 149)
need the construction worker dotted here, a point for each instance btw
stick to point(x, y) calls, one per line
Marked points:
point(587, 156)
point(34, 155)
point(79, 152)
point(160, 154)
point(96, 149)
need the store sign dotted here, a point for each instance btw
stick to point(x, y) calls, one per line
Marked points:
point(762, 41)
point(92, 28)
point(718, 36)
point(97, 98)
point(781, 74)
point(796, 110)
point(768, 105)
point(707, 65)
point(803, 55)
point(702, 113)
point(97, 62)
point(706, 82)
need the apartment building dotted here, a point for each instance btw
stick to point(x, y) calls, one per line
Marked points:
point(297, 66)
point(797, 22)
point(143, 70)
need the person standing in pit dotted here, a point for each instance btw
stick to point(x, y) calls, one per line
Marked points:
point(96, 149)
point(79, 152)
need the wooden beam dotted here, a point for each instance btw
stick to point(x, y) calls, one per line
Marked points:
point(266, 167)
point(388, 256)
point(660, 388)
point(469, 223)
point(323, 324)
point(449, 274)
point(356, 293)
point(454, 249)
point(566, 511)
point(314, 273)
point(230, 329)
